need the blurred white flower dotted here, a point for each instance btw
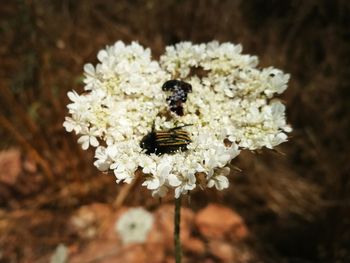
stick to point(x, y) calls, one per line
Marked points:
point(231, 107)
point(60, 255)
point(134, 225)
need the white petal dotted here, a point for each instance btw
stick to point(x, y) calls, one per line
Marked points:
point(93, 141)
point(128, 180)
point(85, 145)
point(178, 191)
point(146, 170)
point(102, 165)
point(114, 165)
point(163, 170)
point(84, 141)
point(69, 126)
point(102, 55)
point(112, 151)
point(73, 96)
point(222, 182)
point(173, 180)
point(120, 168)
point(89, 69)
point(189, 187)
point(121, 176)
point(211, 183)
point(152, 184)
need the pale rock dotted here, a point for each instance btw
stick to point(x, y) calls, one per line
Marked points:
point(219, 222)
point(10, 166)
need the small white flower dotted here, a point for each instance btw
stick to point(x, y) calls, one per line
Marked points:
point(105, 157)
point(91, 80)
point(152, 183)
point(70, 125)
point(174, 180)
point(187, 183)
point(276, 81)
point(220, 180)
point(89, 139)
point(134, 225)
point(123, 170)
point(148, 164)
point(78, 101)
point(160, 174)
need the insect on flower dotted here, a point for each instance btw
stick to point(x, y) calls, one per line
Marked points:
point(226, 97)
point(169, 141)
point(179, 91)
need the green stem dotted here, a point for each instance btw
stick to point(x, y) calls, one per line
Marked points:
point(177, 241)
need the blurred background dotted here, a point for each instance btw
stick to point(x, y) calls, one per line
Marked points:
point(290, 205)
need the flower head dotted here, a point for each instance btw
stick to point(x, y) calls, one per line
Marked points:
point(191, 112)
point(134, 225)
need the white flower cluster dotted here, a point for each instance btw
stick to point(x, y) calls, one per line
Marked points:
point(231, 107)
point(134, 225)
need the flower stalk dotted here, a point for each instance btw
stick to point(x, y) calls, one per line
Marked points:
point(177, 241)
